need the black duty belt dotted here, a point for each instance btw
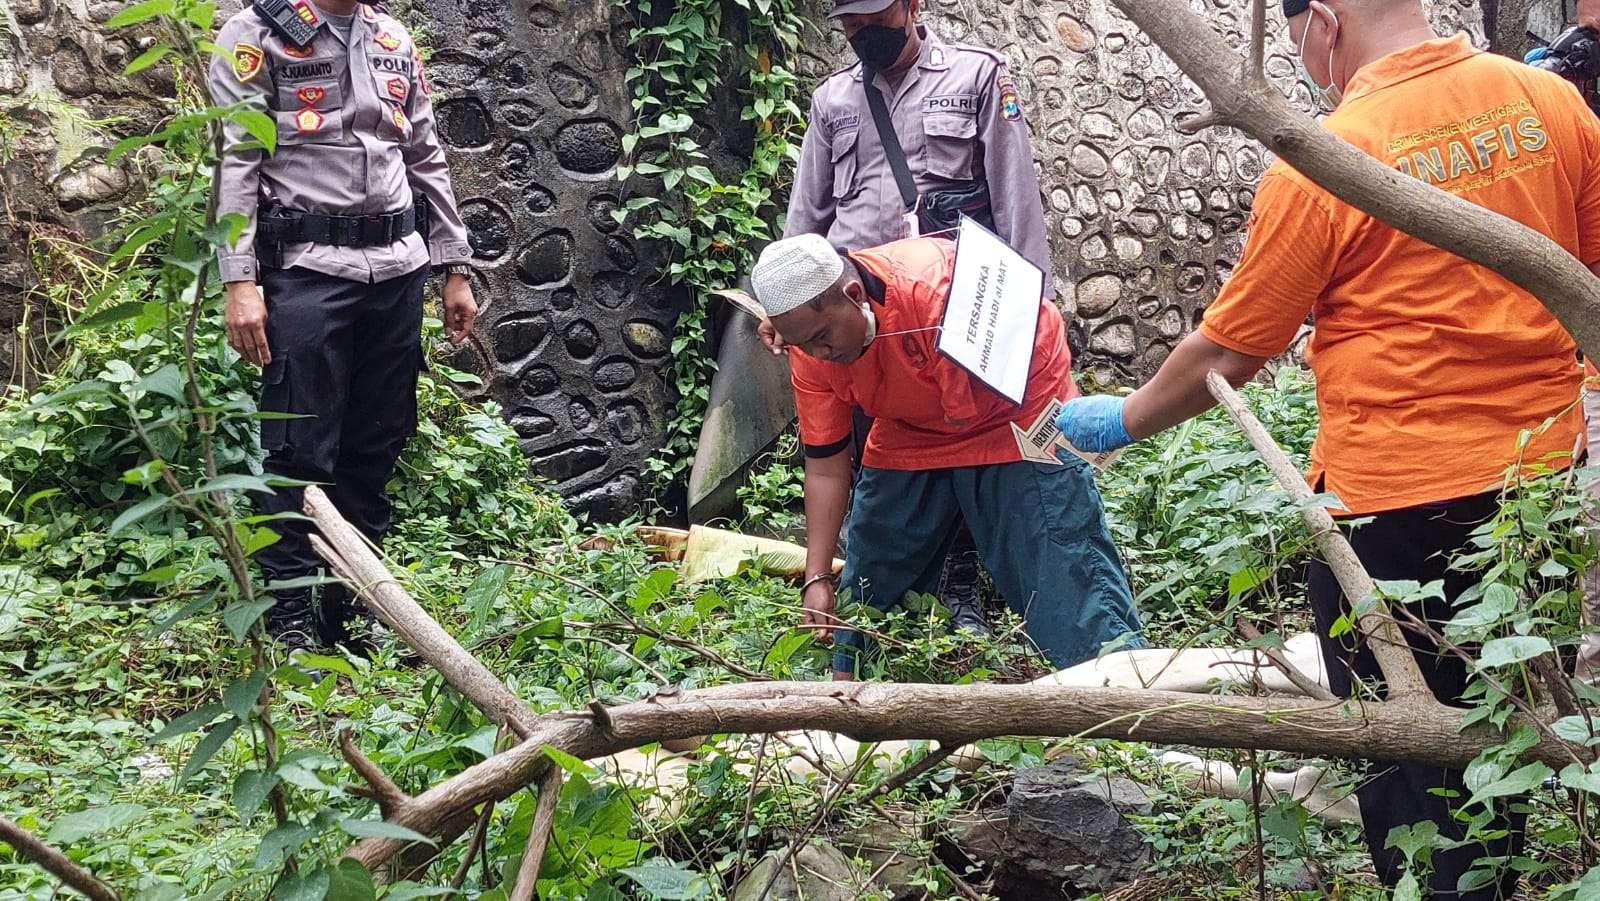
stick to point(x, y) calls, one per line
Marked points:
point(284, 226)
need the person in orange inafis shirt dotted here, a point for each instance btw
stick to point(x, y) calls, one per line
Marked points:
point(1428, 367)
point(862, 329)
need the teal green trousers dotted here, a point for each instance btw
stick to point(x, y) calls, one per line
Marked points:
point(1040, 529)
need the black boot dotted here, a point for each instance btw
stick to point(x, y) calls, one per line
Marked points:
point(344, 620)
point(958, 586)
point(291, 620)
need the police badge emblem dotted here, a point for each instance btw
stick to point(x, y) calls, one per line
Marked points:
point(398, 88)
point(308, 120)
point(247, 61)
point(387, 41)
point(1010, 105)
point(311, 96)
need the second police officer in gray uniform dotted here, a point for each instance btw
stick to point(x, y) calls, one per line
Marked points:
point(898, 145)
point(344, 222)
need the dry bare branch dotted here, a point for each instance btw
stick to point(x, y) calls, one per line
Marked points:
point(1311, 687)
point(544, 818)
point(1382, 634)
point(54, 862)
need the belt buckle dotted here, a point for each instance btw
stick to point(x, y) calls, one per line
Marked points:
point(340, 233)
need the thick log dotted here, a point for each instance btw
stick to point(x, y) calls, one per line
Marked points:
point(1243, 99)
point(1417, 730)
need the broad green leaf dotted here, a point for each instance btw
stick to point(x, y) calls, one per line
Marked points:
point(604, 891)
point(147, 59)
point(567, 762)
point(653, 588)
point(250, 789)
point(1516, 649)
point(1574, 729)
point(208, 747)
point(668, 881)
point(324, 662)
point(231, 482)
point(85, 823)
point(1517, 782)
point(166, 381)
point(307, 885)
point(241, 615)
point(241, 695)
point(1581, 779)
point(187, 723)
point(1247, 579)
point(141, 12)
point(133, 514)
point(1414, 839)
point(784, 648)
point(484, 591)
point(284, 839)
point(259, 125)
point(350, 881)
point(108, 316)
point(1407, 889)
point(382, 829)
point(481, 741)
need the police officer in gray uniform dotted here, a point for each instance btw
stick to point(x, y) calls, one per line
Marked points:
point(962, 145)
point(343, 224)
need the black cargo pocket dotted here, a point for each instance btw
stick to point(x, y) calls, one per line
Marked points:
point(275, 402)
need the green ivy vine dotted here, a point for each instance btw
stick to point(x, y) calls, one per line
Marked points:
point(710, 221)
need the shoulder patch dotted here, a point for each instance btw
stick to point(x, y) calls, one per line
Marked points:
point(387, 40)
point(247, 61)
point(368, 13)
point(1010, 103)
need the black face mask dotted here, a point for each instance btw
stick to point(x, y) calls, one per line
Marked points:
point(879, 46)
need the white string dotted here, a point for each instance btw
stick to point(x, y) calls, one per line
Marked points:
point(909, 331)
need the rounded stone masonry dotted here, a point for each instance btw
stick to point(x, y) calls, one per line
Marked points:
point(1133, 208)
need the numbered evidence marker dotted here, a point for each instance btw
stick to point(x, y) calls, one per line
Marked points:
point(1041, 439)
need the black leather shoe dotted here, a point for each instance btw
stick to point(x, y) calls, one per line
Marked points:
point(291, 621)
point(343, 620)
point(958, 590)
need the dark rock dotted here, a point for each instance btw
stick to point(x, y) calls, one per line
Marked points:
point(1064, 834)
point(547, 260)
point(826, 874)
point(516, 337)
point(588, 146)
point(465, 122)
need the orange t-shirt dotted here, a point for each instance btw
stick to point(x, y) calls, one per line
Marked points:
point(931, 414)
point(1427, 366)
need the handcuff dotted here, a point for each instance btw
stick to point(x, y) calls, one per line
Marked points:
point(819, 577)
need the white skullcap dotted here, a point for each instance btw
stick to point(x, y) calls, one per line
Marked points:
point(793, 272)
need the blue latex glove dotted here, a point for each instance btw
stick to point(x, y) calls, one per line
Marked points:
point(1536, 54)
point(1094, 423)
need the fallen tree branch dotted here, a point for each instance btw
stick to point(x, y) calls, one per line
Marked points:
point(1377, 625)
point(1419, 731)
point(380, 787)
point(544, 818)
point(911, 773)
point(54, 862)
point(1242, 98)
point(353, 561)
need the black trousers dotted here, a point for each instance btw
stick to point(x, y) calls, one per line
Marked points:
point(1415, 543)
point(345, 356)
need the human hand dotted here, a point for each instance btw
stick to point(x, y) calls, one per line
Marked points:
point(460, 308)
point(246, 320)
point(1094, 423)
point(818, 601)
point(770, 337)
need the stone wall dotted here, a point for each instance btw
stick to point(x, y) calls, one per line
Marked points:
point(576, 324)
point(63, 102)
point(1145, 224)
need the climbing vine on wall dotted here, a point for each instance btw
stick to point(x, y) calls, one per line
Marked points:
point(684, 54)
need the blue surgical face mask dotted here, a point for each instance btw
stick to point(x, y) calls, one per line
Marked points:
point(1326, 97)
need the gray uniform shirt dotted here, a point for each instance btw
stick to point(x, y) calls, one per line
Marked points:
point(958, 117)
point(355, 134)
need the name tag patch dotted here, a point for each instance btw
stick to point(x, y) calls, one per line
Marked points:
point(305, 71)
point(395, 65)
point(951, 103)
point(844, 122)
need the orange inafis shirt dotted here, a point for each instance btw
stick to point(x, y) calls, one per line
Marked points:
point(931, 414)
point(1428, 367)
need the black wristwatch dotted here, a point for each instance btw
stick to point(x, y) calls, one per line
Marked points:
point(456, 269)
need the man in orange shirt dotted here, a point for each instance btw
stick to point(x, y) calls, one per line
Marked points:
point(1428, 367)
point(864, 327)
